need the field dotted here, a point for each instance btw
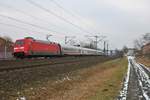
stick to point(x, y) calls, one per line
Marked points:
point(91, 80)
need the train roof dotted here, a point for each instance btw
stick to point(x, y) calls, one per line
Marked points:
point(76, 47)
point(41, 41)
point(62, 45)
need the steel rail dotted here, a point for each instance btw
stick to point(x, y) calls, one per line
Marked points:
point(40, 65)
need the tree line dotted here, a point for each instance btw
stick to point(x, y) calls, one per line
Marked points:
point(140, 42)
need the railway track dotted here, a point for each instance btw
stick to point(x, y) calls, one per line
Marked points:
point(24, 64)
point(36, 65)
point(15, 61)
point(6, 63)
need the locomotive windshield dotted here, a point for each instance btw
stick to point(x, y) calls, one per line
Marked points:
point(19, 42)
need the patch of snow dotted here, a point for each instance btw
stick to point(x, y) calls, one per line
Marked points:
point(143, 79)
point(22, 98)
point(123, 93)
point(145, 67)
point(62, 80)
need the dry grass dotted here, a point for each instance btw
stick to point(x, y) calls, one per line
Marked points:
point(111, 82)
point(144, 60)
point(100, 82)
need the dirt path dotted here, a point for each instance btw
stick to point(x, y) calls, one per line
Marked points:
point(138, 85)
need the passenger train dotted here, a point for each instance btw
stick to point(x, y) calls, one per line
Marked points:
point(30, 47)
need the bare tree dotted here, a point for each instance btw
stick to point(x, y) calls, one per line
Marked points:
point(138, 43)
point(146, 38)
point(125, 49)
point(118, 53)
point(8, 43)
point(7, 40)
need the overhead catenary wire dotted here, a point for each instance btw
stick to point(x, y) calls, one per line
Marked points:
point(56, 15)
point(76, 16)
point(27, 14)
point(27, 23)
point(65, 10)
point(18, 27)
point(28, 30)
point(22, 28)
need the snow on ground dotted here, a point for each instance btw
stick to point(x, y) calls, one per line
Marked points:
point(144, 67)
point(144, 80)
point(141, 75)
point(123, 92)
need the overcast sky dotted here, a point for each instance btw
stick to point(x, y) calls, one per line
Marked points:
point(122, 21)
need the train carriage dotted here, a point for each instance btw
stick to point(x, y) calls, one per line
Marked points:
point(74, 50)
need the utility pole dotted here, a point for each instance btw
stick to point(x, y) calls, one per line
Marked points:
point(5, 49)
point(97, 40)
point(66, 39)
point(107, 48)
point(104, 47)
point(111, 52)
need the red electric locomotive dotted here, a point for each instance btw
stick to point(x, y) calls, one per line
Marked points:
point(30, 47)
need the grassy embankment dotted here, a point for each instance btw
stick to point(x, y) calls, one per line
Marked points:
point(111, 80)
point(144, 60)
point(100, 82)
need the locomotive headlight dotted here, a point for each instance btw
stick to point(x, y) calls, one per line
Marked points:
point(15, 48)
point(19, 48)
